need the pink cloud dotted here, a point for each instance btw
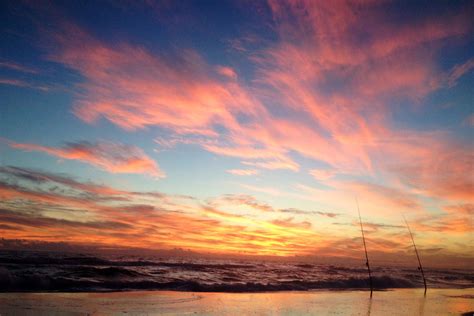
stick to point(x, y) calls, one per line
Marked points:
point(112, 157)
point(265, 158)
point(322, 174)
point(383, 197)
point(135, 88)
point(273, 164)
point(243, 172)
point(227, 72)
point(434, 165)
point(321, 91)
point(317, 43)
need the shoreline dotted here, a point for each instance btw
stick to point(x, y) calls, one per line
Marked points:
point(235, 292)
point(319, 302)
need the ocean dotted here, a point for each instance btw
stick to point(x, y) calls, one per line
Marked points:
point(60, 272)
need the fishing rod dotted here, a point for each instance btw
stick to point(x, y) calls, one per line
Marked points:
point(420, 267)
point(365, 248)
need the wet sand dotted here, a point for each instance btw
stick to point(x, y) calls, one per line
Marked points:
point(393, 302)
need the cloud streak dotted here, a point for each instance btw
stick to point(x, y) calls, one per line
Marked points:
point(108, 156)
point(22, 84)
point(243, 172)
point(18, 67)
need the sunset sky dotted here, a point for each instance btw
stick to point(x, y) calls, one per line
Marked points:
point(239, 127)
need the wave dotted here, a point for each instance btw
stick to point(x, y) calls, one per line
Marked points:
point(94, 261)
point(20, 260)
point(113, 279)
point(110, 272)
point(38, 272)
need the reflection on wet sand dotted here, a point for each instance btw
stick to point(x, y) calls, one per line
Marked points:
point(369, 305)
point(395, 302)
point(422, 305)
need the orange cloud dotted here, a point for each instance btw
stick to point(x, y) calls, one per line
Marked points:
point(460, 209)
point(243, 199)
point(40, 177)
point(303, 212)
point(288, 222)
point(446, 224)
point(32, 208)
point(112, 157)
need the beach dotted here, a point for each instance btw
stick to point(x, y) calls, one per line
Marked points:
point(390, 302)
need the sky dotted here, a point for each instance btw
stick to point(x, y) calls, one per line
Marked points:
point(239, 127)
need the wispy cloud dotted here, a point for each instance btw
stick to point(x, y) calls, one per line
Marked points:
point(322, 174)
point(347, 127)
point(445, 224)
point(303, 212)
point(460, 70)
point(384, 196)
point(39, 177)
point(18, 67)
point(112, 157)
point(460, 209)
point(243, 172)
point(243, 199)
point(22, 83)
point(289, 222)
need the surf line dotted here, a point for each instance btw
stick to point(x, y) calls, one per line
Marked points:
point(420, 267)
point(365, 248)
